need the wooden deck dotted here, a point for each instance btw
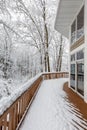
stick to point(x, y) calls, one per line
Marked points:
point(77, 101)
point(14, 114)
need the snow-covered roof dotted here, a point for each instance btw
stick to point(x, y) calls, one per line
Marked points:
point(66, 12)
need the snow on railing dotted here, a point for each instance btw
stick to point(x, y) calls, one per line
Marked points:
point(14, 109)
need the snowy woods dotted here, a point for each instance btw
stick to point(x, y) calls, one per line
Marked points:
point(28, 42)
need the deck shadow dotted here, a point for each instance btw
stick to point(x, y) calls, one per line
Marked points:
point(76, 100)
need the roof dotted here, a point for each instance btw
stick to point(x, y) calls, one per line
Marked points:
point(67, 9)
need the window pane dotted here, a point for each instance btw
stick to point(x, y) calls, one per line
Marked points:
point(80, 78)
point(80, 23)
point(73, 57)
point(73, 31)
point(72, 81)
point(80, 55)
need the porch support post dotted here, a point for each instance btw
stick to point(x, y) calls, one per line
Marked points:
point(85, 52)
point(69, 53)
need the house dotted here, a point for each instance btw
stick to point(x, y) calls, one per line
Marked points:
point(71, 21)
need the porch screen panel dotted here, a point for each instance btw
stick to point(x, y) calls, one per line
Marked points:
point(73, 32)
point(80, 23)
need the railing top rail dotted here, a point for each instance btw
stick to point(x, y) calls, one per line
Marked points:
point(44, 73)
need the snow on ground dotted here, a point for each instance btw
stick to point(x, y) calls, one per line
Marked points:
point(50, 110)
point(5, 88)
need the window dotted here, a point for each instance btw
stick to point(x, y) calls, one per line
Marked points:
point(72, 80)
point(73, 57)
point(73, 31)
point(80, 55)
point(77, 71)
point(77, 27)
point(80, 23)
point(80, 78)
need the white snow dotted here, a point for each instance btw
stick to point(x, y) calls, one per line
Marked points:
point(51, 111)
point(7, 99)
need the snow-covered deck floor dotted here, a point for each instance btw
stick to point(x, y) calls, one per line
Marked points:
point(51, 111)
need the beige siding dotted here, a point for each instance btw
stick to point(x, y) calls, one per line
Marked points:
point(77, 44)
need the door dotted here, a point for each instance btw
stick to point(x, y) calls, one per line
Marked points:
point(72, 76)
point(80, 77)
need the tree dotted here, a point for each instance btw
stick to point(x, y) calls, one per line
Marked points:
point(41, 29)
point(59, 59)
point(29, 38)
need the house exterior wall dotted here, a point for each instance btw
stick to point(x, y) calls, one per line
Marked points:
point(65, 17)
point(77, 46)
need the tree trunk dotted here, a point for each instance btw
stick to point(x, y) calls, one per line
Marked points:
point(45, 62)
point(46, 40)
point(59, 61)
point(48, 63)
point(41, 62)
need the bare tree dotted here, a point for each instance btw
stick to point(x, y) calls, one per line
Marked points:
point(41, 31)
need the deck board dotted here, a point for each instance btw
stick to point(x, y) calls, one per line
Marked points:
point(77, 101)
point(55, 108)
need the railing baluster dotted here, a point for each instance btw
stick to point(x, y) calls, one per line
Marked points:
point(5, 123)
point(10, 121)
point(16, 113)
point(13, 119)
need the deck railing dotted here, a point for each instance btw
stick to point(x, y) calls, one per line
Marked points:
point(14, 115)
point(55, 75)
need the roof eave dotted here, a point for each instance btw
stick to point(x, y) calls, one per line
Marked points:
point(67, 9)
